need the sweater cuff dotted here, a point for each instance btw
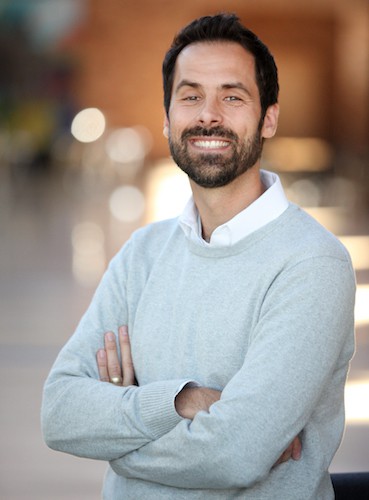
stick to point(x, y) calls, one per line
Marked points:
point(157, 405)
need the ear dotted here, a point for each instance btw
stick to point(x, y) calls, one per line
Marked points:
point(166, 126)
point(270, 123)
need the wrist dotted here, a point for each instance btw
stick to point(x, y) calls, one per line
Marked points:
point(191, 400)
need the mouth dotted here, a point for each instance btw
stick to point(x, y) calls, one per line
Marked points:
point(209, 144)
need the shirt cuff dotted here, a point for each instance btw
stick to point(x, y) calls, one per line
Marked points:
point(157, 405)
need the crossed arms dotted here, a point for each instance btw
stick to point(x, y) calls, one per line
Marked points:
point(131, 426)
point(188, 402)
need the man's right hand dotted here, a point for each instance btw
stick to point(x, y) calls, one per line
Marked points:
point(191, 400)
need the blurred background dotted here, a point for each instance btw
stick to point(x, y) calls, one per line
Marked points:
point(83, 163)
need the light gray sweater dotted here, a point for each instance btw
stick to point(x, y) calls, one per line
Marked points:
point(268, 321)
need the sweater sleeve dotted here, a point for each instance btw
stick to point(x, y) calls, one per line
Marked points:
point(303, 340)
point(86, 417)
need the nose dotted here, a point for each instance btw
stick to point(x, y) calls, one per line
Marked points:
point(210, 112)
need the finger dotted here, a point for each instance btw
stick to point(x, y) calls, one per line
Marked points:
point(102, 365)
point(296, 448)
point(114, 369)
point(286, 455)
point(125, 351)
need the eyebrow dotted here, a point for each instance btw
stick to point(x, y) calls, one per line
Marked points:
point(187, 83)
point(235, 85)
point(224, 86)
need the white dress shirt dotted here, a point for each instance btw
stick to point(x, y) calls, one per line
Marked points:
point(270, 205)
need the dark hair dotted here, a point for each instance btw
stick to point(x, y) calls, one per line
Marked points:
point(224, 27)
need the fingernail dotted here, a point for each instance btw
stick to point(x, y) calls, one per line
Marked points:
point(110, 336)
point(101, 353)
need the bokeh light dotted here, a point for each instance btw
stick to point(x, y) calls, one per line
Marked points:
point(127, 203)
point(362, 305)
point(358, 247)
point(168, 190)
point(357, 402)
point(128, 144)
point(88, 125)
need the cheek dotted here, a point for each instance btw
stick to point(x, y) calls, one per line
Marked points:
point(173, 134)
point(176, 127)
point(245, 129)
point(182, 117)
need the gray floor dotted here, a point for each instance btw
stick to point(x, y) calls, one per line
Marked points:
point(40, 303)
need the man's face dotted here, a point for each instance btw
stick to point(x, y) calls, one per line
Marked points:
point(214, 125)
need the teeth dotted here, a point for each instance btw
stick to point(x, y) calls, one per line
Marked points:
point(211, 144)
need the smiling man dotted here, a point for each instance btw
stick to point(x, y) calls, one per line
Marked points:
point(234, 321)
point(215, 114)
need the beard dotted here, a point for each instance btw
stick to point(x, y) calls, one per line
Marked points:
point(216, 170)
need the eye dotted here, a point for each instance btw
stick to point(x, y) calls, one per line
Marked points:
point(191, 98)
point(233, 98)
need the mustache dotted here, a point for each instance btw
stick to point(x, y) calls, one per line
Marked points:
point(208, 132)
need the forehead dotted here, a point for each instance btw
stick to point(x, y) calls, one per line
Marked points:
point(215, 62)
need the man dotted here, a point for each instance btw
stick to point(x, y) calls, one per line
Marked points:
point(235, 320)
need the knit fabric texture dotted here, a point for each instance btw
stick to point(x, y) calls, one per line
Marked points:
point(268, 321)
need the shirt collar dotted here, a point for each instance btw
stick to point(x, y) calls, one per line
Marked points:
point(270, 205)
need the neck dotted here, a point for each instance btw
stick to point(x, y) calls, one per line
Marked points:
point(217, 206)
